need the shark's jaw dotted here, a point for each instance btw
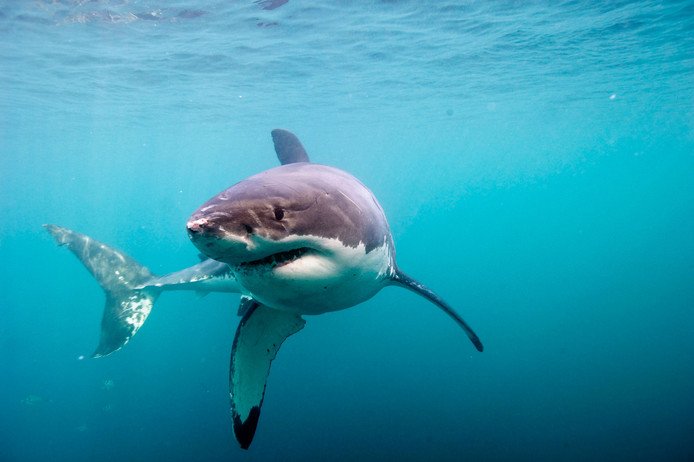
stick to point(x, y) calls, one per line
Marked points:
point(247, 252)
point(325, 276)
point(274, 260)
point(301, 274)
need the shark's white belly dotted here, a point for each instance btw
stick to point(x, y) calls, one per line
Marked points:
point(330, 278)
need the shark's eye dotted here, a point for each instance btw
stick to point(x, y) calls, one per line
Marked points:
point(279, 213)
point(248, 228)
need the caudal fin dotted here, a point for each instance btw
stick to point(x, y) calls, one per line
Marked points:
point(126, 308)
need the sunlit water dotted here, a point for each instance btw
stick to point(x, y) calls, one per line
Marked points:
point(535, 160)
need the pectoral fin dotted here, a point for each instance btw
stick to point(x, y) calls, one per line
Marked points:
point(246, 303)
point(403, 280)
point(258, 338)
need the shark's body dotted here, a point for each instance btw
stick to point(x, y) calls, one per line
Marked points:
point(299, 239)
point(332, 237)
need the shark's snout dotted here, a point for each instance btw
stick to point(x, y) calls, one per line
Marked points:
point(212, 237)
point(203, 234)
point(197, 226)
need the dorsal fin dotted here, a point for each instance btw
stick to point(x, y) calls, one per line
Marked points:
point(288, 147)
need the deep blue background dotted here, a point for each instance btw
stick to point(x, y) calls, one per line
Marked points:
point(535, 161)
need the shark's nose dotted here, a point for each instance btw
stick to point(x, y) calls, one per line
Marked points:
point(197, 226)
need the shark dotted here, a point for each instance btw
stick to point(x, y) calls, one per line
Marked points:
point(295, 240)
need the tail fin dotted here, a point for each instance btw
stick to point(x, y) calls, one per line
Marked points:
point(117, 274)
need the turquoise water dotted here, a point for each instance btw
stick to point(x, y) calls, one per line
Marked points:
point(535, 160)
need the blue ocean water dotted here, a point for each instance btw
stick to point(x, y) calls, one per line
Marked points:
point(535, 160)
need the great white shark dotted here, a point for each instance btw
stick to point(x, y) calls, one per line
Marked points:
point(298, 239)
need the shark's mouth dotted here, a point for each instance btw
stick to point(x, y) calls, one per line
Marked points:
point(275, 260)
